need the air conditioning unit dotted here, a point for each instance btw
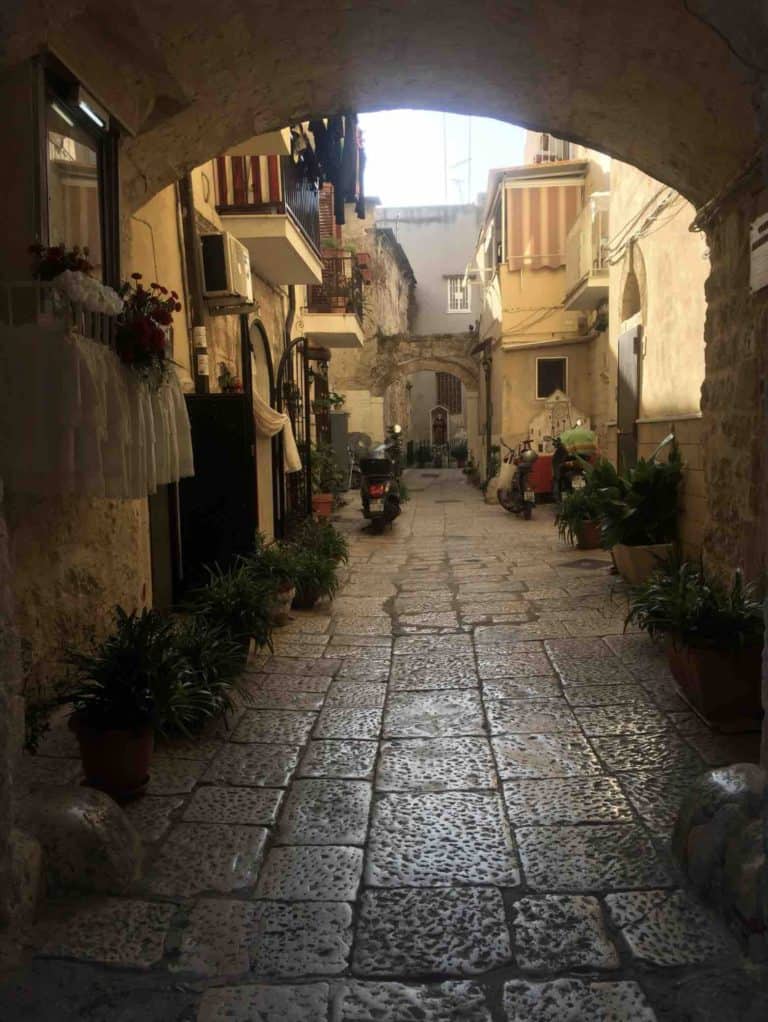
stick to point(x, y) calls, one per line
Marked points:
point(226, 270)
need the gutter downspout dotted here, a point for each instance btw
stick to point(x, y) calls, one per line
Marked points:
point(194, 272)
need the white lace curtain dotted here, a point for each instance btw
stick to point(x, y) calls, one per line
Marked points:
point(75, 420)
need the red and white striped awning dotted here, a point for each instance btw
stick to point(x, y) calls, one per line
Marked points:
point(248, 181)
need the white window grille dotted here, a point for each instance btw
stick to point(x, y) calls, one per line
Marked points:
point(458, 295)
point(551, 149)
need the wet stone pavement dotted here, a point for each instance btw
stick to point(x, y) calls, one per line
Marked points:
point(451, 799)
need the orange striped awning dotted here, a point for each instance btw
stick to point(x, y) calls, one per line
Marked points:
point(538, 221)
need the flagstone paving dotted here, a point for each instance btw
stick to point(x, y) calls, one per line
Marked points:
point(450, 799)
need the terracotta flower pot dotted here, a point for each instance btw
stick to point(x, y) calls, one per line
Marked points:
point(588, 536)
point(636, 563)
point(722, 685)
point(322, 504)
point(116, 761)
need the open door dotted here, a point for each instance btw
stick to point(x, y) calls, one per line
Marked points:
point(628, 397)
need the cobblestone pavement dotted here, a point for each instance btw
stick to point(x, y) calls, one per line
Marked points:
point(451, 799)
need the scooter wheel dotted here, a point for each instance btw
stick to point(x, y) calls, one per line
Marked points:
point(504, 503)
point(527, 512)
point(377, 526)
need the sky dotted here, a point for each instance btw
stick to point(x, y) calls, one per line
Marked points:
point(423, 158)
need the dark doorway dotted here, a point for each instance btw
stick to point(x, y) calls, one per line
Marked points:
point(628, 397)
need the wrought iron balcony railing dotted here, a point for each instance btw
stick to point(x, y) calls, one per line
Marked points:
point(342, 287)
point(263, 185)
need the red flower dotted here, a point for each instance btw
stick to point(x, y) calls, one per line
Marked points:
point(164, 317)
point(174, 296)
point(177, 307)
point(136, 276)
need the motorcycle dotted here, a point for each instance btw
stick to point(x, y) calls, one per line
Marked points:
point(379, 488)
point(574, 450)
point(515, 493)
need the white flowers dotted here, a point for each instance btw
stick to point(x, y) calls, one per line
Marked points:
point(89, 292)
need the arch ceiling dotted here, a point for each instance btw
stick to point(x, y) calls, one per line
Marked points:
point(650, 83)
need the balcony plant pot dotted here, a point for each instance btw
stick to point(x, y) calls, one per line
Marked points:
point(588, 535)
point(322, 504)
point(116, 760)
point(722, 686)
point(636, 563)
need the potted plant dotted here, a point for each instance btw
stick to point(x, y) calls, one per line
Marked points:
point(314, 575)
point(639, 515)
point(269, 561)
point(459, 452)
point(322, 537)
point(714, 636)
point(578, 519)
point(327, 479)
point(119, 691)
point(238, 601)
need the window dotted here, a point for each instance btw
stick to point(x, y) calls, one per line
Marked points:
point(80, 176)
point(458, 295)
point(551, 375)
point(449, 392)
point(551, 149)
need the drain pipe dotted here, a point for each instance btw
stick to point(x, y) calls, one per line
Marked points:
point(194, 272)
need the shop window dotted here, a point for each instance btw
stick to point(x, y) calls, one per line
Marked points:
point(551, 375)
point(81, 175)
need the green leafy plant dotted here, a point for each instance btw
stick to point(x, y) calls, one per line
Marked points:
point(327, 476)
point(575, 509)
point(212, 683)
point(237, 600)
point(313, 573)
point(322, 537)
point(133, 677)
point(459, 450)
point(682, 601)
point(641, 508)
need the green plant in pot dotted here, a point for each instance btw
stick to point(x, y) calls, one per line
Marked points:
point(120, 690)
point(270, 562)
point(714, 638)
point(323, 537)
point(459, 451)
point(639, 515)
point(578, 518)
point(328, 479)
point(314, 575)
point(212, 683)
point(239, 601)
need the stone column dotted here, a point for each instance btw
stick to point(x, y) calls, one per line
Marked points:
point(472, 399)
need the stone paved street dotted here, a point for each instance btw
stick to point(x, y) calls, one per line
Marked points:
point(450, 800)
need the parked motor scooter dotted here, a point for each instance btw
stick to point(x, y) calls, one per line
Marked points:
point(379, 488)
point(515, 492)
point(574, 450)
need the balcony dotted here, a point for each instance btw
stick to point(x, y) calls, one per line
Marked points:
point(334, 311)
point(586, 264)
point(264, 202)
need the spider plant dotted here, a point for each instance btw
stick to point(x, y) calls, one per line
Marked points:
point(575, 510)
point(641, 508)
point(322, 537)
point(237, 600)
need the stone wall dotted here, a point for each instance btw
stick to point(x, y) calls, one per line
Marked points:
point(733, 394)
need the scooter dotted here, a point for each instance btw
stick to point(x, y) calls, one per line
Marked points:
point(515, 493)
point(379, 491)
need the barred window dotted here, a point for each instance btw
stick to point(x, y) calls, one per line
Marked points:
point(458, 295)
point(449, 392)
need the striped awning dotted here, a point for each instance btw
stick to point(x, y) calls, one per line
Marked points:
point(248, 181)
point(538, 220)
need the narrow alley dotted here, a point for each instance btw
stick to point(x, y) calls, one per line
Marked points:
point(451, 798)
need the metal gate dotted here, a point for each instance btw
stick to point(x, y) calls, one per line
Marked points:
point(292, 395)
